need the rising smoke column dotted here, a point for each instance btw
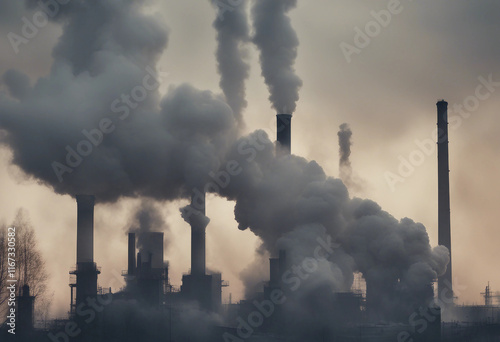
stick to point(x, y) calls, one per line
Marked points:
point(277, 42)
point(232, 33)
point(345, 168)
point(344, 135)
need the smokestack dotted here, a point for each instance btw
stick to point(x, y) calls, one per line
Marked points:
point(284, 132)
point(274, 272)
point(198, 225)
point(85, 229)
point(445, 290)
point(131, 253)
point(282, 263)
point(139, 263)
point(86, 270)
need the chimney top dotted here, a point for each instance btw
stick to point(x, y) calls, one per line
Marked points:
point(85, 199)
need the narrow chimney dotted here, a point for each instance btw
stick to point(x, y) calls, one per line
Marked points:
point(131, 253)
point(198, 225)
point(284, 133)
point(86, 270)
point(274, 272)
point(139, 263)
point(282, 263)
point(445, 290)
point(85, 229)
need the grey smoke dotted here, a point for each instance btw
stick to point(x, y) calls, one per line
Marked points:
point(351, 180)
point(162, 149)
point(168, 146)
point(148, 218)
point(232, 35)
point(344, 135)
point(17, 83)
point(289, 202)
point(278, 43)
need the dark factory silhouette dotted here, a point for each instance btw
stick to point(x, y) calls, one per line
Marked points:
point(340, 267)
point(297, 302)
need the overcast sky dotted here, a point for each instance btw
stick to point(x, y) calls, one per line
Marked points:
point(386, 91)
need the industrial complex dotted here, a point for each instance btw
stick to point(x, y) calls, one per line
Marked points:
point(151, 308)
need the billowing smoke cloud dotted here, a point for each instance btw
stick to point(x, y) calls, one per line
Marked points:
point(277, 42)
point(232, 29)
point(96, 124)
point(345, 169)
point(148, 218)
point(290, 203)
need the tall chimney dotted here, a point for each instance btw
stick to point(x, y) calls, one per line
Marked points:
point(85, 228)
point(274, 272)
point(284, 132)
point(198, 225)
point(131, 253)
point(445, 290)
point(86, 270)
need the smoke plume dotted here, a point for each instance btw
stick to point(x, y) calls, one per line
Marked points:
point(351, 180)
point(148, 218)
point(290, 202)
point(232, 33)
point(277, 42)
point(97, 124)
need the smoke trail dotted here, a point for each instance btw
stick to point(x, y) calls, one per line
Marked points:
point(232, 33)
point(344, 135)
point(278, 43)
point(345, 169)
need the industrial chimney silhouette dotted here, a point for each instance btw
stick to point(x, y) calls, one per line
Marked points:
point(85, 229)
point(86, 269)
point(198, 236)
point(131, 254)
point(445, 289)
point(284, 133)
